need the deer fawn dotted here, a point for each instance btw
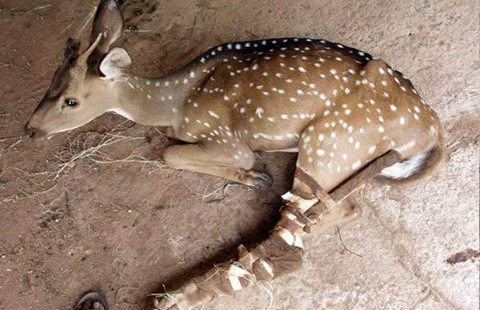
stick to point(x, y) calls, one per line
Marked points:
point(339, 108)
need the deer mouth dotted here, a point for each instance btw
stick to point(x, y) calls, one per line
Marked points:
point(37, 134)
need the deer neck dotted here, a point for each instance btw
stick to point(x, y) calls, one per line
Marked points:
point(153, 101)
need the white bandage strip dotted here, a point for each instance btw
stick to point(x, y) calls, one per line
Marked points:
point(294, 238)
point(298, 242)
point(234, 273)
point(286, 235)
point(247, 260)
point(290, 216)
point(267, 267)
point(300, 203)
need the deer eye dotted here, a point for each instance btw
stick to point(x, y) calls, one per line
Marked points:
point(70, 102)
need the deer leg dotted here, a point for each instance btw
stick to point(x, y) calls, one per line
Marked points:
point(340, 205)
point(282, 252)
point(234, 162)
point(92, 300)
point(321, 219)
point(265, 262)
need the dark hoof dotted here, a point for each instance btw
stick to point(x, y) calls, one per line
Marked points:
point(261, 180)
point(92, 300)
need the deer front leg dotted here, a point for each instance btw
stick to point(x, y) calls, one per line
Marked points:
point(233, 162)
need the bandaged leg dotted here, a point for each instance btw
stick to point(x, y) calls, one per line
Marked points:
point(281, 253)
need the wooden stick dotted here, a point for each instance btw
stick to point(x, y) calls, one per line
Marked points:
point(316, 189)
point(352, 184)
point(364, 175)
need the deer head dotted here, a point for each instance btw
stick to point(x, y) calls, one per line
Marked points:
point(81, 86)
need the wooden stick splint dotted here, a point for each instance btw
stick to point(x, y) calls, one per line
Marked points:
point(352, 184)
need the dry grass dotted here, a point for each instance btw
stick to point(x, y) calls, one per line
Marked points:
point(33, 10)
point(95, 152)
point(208, 192)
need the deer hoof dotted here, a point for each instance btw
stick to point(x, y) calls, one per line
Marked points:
point(260, 180)
point(254, 178)
point(92, 301)
point(167, 303)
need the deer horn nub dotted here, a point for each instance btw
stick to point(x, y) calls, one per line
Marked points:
point(81, 68)
point(71, 51)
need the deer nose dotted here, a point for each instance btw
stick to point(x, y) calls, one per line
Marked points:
point(29, 131)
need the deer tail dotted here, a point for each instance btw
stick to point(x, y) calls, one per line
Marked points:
point(417, 167)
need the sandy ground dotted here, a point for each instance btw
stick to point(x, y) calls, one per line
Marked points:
point(115, 220)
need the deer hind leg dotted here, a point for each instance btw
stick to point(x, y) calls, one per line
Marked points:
point(278, 255)
point(233, 161)
point(282, 252)
point(321, 219)
point(347, 211)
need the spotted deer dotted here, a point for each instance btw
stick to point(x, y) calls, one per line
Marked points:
point(350, 117)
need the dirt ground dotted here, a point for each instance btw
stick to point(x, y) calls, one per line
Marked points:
point(96, 209)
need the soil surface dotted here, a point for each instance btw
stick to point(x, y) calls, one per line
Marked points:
point(96, 209)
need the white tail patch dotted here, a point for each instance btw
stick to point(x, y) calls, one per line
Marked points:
point(406, 168)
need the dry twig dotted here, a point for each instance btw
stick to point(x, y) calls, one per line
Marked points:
point(15, 12)
point(94, 154)
point(343, 244)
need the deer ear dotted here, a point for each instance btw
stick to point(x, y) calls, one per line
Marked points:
point(116, 64)
point(108, 22)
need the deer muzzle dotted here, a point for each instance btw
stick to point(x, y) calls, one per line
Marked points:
point(34, 133)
